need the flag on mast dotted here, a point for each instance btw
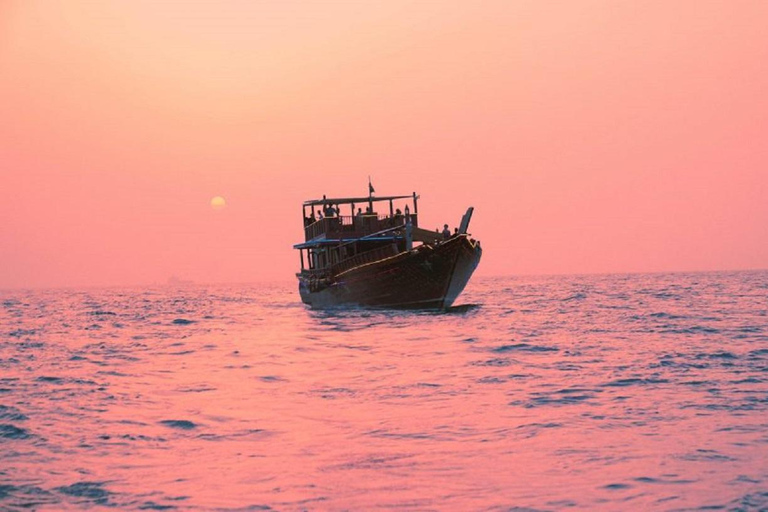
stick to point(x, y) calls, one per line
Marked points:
point(371, 190)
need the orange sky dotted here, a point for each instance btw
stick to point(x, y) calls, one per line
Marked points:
point(590, 136)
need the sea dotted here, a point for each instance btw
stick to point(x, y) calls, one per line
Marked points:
point(594, 392)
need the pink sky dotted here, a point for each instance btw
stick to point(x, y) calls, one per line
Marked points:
point(589, 136)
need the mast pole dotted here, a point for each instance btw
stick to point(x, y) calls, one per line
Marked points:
point(370, 194)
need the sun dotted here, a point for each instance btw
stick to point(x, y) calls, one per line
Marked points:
point(218, 203)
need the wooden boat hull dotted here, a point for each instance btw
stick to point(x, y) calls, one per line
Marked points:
point(426, 278)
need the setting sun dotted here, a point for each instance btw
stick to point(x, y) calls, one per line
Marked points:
point(218, 203)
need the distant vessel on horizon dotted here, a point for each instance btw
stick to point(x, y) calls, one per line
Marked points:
point(374, 260)
point(177, 281)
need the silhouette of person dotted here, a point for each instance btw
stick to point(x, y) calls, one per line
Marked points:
point(446, 232)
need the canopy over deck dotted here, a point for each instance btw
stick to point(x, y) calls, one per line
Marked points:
point(335, 242)
point(350, 200)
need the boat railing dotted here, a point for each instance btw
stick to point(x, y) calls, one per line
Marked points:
point(348, 226)
point(322, 227)
point(364, 257)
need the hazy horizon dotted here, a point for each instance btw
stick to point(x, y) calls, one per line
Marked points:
point(290, 280)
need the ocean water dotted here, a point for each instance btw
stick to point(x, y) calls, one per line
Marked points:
point(620, 392)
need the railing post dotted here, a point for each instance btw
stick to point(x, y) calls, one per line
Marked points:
point(408, 234)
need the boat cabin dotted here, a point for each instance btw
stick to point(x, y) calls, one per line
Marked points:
point(342, 233)
point(352, 217)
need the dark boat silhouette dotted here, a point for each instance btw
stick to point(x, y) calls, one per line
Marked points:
point(378, 260)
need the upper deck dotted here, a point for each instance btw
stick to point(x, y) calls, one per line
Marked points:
point(363, 219)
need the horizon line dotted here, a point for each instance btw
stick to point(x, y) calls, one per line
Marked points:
point(192, 283)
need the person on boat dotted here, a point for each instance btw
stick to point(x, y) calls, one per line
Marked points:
point(358, 221)
point(455, 231)
point(319, 215)
point(446, 232)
